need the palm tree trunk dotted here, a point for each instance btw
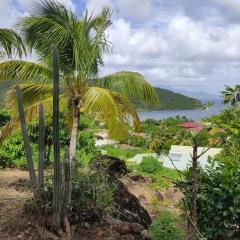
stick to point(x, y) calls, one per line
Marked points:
point(74, 132)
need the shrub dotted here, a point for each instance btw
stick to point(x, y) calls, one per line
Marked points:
point(92, 196)
point(150, 165)
point(166, 227)
point(123, 154)
point(218, 202)
point(136, 141)
point(86, 141)
point(12, 153)
point(4, 117)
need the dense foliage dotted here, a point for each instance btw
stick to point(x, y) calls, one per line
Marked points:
point(92, 196)
point(150, 165)
point(12, 152)
point(4, 117)
point(166, 227)
point(169, 100)
point(218, 201)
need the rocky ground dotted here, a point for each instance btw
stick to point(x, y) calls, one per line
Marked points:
point(16, 224)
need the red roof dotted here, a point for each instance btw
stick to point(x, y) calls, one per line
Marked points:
point(192, 126)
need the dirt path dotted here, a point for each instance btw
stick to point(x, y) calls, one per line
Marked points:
point(11, 200)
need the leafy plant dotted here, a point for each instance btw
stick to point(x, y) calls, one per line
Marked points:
point(123, 154)
point(136, 141)
point(218, 202)
point(92, 196)
point(12, 153)
point(4, 117)
point(166, 227)
point(150, 165)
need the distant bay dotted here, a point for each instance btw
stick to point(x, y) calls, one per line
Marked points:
point(194, 114)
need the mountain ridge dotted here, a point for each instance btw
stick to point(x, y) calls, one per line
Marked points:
point(169, 100)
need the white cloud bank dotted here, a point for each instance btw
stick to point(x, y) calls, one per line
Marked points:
point(168, 42)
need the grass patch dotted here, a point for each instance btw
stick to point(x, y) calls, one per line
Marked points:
point(167, 227)
point(123, 154)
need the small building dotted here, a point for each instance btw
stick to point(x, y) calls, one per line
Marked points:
point(192, 126)
point(180, 156)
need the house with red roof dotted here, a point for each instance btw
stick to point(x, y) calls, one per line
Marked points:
point(192, 126)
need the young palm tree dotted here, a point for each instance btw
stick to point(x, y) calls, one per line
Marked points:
point(11, 43)
point(231, 95)
point(81, 43)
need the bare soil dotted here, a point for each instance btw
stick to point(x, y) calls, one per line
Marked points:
point(17, 224)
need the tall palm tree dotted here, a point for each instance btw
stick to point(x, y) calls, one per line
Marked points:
point(81, 43)
point(231, 95)
point(11, 43)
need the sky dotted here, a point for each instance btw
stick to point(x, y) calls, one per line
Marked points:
point(182, 45)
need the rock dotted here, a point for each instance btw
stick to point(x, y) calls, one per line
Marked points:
point(136, 228)
point(146, 235)
point(112, 221)
point(127, 237)
point(138, 178)
point(123, 228)
point(129, 206)
point(110, 165)
point(127, 227)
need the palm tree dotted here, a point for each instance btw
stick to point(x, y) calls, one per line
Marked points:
point(81, 43)
point(231, 95)
point(11, 43)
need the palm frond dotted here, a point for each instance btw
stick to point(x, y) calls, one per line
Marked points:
point(11, 43)
point(30, 114)
point(31, 93)
point(111, 108)
point(24, 71)
point(130, 84)
point(50, 23)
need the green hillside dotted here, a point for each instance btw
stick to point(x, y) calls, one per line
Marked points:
point(169, 101)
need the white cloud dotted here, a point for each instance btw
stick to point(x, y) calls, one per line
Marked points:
point(132, 9)
point(182, 44)
point(135, 8)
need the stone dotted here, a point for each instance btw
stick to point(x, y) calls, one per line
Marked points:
point(107, 164)
point(146, 235)
point(127, 237)
point(136, 228)
point(127, 227)
point(112, 221)
point(123, 228)
point(129, 206)
point(137, 178)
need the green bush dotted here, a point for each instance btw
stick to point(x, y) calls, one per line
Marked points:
point(150, 165)
point(92, 196)
point(166, 227)
point(123, 154)
point(12, 153)
point(85, 141)
point(4, 117)
point(218, 202)
point(136, 141)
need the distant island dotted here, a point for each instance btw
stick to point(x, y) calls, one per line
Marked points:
point(169, 100)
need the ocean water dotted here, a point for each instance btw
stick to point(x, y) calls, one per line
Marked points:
point(195, 114)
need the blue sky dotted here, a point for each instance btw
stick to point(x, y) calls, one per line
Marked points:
point(183, 45)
